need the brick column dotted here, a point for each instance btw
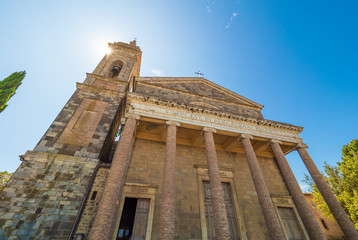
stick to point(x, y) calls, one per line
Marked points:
point(107, 210)
point(342, 219)
point(271, 219)
point(167, 211)
point(309, 220)
point(221, 223)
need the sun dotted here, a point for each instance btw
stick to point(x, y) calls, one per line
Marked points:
point(103, 48)
point(100, 47)
point(108, 50)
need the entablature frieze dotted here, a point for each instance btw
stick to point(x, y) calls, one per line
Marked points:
point(160, 109)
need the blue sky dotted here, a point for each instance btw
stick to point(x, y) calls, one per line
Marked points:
point(297, 58)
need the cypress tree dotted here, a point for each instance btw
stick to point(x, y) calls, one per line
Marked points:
point(8, 87)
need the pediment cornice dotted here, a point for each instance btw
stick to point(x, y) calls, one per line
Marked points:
point(160, 81)
point(201, 96)
point(197, 109)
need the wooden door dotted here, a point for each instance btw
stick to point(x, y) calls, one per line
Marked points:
point(141, 219)
point(230, 210)
point(290, 223)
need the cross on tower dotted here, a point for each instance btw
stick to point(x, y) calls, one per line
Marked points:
point(199, 73)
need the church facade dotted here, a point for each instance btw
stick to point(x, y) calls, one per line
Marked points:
point(193, 161)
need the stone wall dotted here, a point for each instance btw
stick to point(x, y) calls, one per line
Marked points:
point(44, 195)
point(104, 111)
point(94, 197)
point(331, 229)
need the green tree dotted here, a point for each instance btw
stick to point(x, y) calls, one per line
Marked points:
point(4, 178)
point(343, 180)
point(8, 87)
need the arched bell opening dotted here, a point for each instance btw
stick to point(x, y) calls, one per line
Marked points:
point(115, 68)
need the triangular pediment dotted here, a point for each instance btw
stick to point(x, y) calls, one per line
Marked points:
point(200, 87)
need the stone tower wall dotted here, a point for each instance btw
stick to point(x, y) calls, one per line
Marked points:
point(85, 224)
point(43, 196)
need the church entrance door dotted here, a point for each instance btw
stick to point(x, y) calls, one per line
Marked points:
point(229, 209)
point(134, 219)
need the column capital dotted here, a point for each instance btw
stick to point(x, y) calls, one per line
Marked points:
point(243, 136)
point(132, 116)
point(301, 145)
point(171, 122)
point(273, 141)
point(209, 129)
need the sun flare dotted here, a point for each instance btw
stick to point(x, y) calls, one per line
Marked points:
point(100, 48)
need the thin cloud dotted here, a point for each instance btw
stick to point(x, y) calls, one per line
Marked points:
point(208, 9)
point(157, 72)
point(233, 16)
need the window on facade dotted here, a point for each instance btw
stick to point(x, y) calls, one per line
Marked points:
point(94, 194)
point(324, 224)
point(290, 223)
point(229, 209)
point(134, 219)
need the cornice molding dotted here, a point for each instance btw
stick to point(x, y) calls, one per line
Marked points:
point(98, 90)
point(128, 47)
point(204, 81)
point(196, 109)
point(107, 79)
point(34, 156)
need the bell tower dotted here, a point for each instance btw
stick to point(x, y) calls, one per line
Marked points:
point(87, 124)
point(53, 178)
point(122, 62)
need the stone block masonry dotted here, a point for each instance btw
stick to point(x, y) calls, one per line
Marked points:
point(67, 136)
point(85, 224)
point(43, 197)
